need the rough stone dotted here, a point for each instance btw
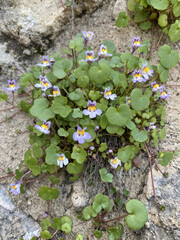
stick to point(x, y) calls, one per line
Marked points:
point(79, 197)
point(120, 6)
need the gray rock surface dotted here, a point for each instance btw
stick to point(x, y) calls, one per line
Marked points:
point(120, 6)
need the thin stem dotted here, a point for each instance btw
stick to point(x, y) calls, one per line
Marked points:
point(25, 174)
point(115, 219)
point(149, 156)
point(11, 116)
point(36, 179)
point(65, 90)
point(13, 98)
point(70, 83)
point(8, 108)
point(56, 122)
point(8, 175)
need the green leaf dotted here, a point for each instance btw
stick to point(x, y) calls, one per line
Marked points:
point(66, 219)
point(40, 109)
point(79, 154)
point(83, 81)
point(37, 151)
point(155, 137)
point(174, 31)
point(162, 133)
point(130, 125)
point(138, 214)
point(88, 212)
point(100, 202)
point(51, 77)
point(140, 136)
point(45, 235)
point(122, 20)
point(141, 16)
point(26, 78)
point(51, 155)
point(118, 116)
point(102, 105)
point(145, 25)
point(98, 233)
point(163, 73)
point(62, 132)
point(54, 179)
point(99, 75)
point(139, 101)
point(45, 223)
point(103, 147)
point(61, 67)
point(32, 164)
point(130, 60)
point(127, 153)
point(160, 4)
point(111, 48)
point(168, 58)
point(3, 96)
point(56, 224)
point(74, 168)
point(19, 174)
point(94, 95)
point(165, 157)
point(79, 237)
point(66, 228)
point(48, 194)
point(105, 176)
point(131, 4)
point(59, 106)
point(24, 106)
point(115, 62)
point(37, 71)
point(77, 43)
point(113, 234)
point(176, 10)
point(76, 95)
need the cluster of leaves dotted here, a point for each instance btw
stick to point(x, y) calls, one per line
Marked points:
point(135, 218)
point(165, 12)
point(80, 81)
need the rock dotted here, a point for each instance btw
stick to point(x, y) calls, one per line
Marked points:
point(120, 6)
point(79, 197)
point(6, 59)
point(5, 199)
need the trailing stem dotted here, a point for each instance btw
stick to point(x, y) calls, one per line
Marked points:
point(150, 163)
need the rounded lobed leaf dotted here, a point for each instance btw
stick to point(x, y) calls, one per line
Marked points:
point(48, 194)
point(105, 176)
point(168, 58)
point(139, 101)
point(138, 214)
point(160, 4)
point(100, 202)
point(122, 20)
point(140, 136)
point(89, 212)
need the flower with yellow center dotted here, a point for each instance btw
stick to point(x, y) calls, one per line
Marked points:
point(103, 51)
point(81, 135)
point(87, 35)
point(15, 187)
point(44, 84)
point(92, 111)
point(56, 92)
point(155, 86)
point(108, 94)
point(45, 60)
point(146, 71)
point(137, 76)
point(62, 160)
point(11, 86)
point(44, 128)
point(115, 162)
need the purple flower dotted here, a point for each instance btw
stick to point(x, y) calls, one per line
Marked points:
point(128, 100)
point(91, 148)
point(103, 51)
point(97, 129)
point(108, 94)
point(44, 83)
point(92, 111)
point(115, 162)
point(44, 128)
point(89, 57)
point(81, 135)
point(136, 43)
point(56, 92)
point(163, 94)
point(137, 76)
point(87, 35)
point(45, 63)
point(11, 86)
point(146, 71)
point(151, 126)
point(52, 61)
point(110, 151)
point(15, 187)
point(62, 160)
point(155, 87)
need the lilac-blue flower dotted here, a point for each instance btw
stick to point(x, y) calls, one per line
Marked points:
point(45, 63)
point(11, 86)
point(108, 94)
point(89, 57)
point(128, 100)
point(137, 76)
point(87, 35)
point(103, 51)
point(44, 83)
point(80, 135)
point(164, 95)
point(15, 187)
point(146, 71)
point(92, 111)
point(44, 128)
point(56, 92)
point(62, 160)
point(155, 86)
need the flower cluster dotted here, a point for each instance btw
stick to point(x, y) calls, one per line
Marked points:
point(44, 83)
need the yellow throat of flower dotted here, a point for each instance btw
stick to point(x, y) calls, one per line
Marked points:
point(61, 158)
point(89, 57)
point(92, 108)
point(44, 126)
point(146, 69)
point(109, 93)
point(81, 132)
point(89, 34)
point(104, 50)
point(11, 86)
point(14, 187)
point(137, 42)
point(137, 75)
point(115, 161)
point(45, 84)
point(45, 62)
point(163, 93)
point(55, 92)
point(156, 86)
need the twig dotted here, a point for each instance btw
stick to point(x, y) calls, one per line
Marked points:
point(36, 179)
point(8, 108)
point(8, 175)
point(11, 116)
point(149, 156)
point(115, 219)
